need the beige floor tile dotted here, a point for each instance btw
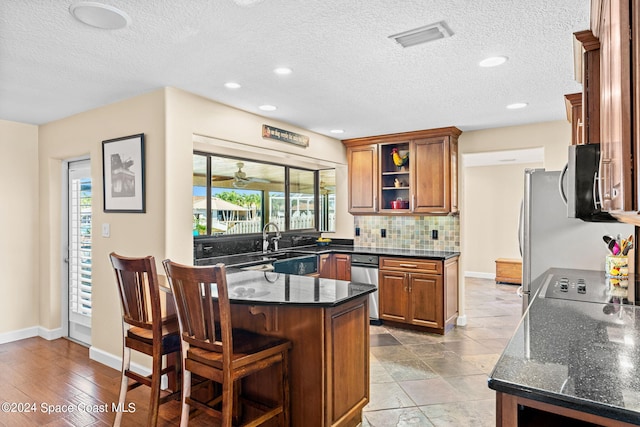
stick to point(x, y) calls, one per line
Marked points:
point(388, 396)
point(405, 370)
point(479, 413)
point(430, 391)
point(413, 417)
point(441, 380)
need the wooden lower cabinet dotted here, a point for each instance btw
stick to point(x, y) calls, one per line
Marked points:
point(515, 411)
point(334, 266)
point(420, 293)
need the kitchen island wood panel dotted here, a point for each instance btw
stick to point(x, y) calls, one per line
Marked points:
point(329, 381)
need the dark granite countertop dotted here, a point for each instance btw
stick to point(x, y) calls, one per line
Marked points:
point(579, 355)
point(247, 259)
point(412, 253)
point(267, 288)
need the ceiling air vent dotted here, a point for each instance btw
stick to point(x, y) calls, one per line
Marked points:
point(428, 33)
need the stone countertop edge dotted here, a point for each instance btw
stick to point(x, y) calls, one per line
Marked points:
point(319, 250)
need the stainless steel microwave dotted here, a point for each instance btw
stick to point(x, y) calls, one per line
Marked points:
point(582, 190)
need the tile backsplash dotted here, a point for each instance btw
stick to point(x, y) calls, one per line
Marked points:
point(409, 232)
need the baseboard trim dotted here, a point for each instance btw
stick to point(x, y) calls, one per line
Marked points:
point(480, 275)
point(18, 335)
point(34, 331)
point(115, 362)
point(462, 320)
point(50, 334)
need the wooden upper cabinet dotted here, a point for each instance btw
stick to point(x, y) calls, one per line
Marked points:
point(613, 28)
point(363, 178)
point(428, 184)
point(434, 178)
point(588, 48)
point(573, 105)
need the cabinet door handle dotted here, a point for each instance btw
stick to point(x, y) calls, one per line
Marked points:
point(409, 265)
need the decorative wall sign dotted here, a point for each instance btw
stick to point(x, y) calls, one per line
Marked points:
point(123, 174)
point(269, 132)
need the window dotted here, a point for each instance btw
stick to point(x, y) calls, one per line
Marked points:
point(327, 200)
point(238, 196)
point(302, 196)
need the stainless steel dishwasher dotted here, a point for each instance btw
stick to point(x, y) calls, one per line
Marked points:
point(364, 269)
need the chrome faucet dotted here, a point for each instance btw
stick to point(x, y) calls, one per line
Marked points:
point(265, 239)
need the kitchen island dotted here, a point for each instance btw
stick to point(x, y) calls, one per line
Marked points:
point(570, 359)
point(327, 322)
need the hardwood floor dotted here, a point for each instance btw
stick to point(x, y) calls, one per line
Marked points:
point(406, 367)
point(54, 383)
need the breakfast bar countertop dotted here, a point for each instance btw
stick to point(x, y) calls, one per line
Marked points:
point(577, 355)
point(268, 287)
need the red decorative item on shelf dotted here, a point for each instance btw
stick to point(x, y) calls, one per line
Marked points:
point(399, 204)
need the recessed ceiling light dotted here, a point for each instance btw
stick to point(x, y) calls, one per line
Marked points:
point(283, 71)
point(517, 105)
point(99, 15)
point(268, 107)
point(493, 61)
point(232, 85)
point(336, 131)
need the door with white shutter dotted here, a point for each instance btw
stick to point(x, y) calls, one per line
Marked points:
point(79, 251)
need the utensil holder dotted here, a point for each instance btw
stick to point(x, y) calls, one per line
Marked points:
point(617, 266)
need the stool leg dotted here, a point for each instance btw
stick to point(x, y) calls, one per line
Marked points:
point(186, 394)
point(124, 383)
point(154, 400)
point(227, 401)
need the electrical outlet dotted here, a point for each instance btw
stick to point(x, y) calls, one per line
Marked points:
point(434, 234)
point(106, 229)
point(383, 232)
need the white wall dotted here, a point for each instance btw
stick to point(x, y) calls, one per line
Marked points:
point(213, 126)
point(490, 196)
point(169, 118)
point(19, 230)
point(492, 208)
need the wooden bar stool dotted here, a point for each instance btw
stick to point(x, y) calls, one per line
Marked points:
point(145, 330)
point(216, 351)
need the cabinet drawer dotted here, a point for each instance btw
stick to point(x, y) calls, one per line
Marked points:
point(411, 264)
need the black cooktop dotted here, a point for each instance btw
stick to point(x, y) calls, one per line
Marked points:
point(587, 286)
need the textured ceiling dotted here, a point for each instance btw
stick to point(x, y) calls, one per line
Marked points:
point(347, 73)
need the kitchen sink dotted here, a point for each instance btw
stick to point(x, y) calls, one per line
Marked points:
point(290, 262)
point(259, 267)
point(287, 255)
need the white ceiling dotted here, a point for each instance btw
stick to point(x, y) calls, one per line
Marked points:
point(347, 73)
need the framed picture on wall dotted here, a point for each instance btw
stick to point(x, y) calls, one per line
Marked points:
point(123, 174)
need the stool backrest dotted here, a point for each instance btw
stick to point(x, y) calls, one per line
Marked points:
point(139, 292)
point(198, 307)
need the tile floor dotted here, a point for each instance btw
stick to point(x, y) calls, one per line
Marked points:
point(420, 379)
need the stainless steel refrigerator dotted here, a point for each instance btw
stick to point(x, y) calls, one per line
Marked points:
point(548, 238)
